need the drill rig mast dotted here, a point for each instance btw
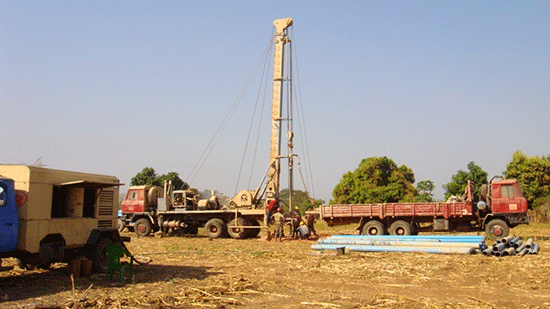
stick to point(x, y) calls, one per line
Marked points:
point(281, 38)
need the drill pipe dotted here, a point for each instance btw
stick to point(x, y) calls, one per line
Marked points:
point(523, 246)
point(523, 252)
point(509, 251)
point(518, 244)
point(529, 243)
point(498, 253)
point(534, 249)
point(505, 240)
point(499, 247)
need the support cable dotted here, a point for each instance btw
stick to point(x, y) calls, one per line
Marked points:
point(204, 156)
point(251, 124)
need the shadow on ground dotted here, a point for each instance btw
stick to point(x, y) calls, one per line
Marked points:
point(17, 284)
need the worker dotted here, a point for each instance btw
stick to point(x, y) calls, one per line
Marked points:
point(279, 223)
point(296, 218)
point(310, 219)
point(303, 231)
point(271, 207)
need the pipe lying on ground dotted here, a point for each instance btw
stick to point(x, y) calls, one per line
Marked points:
point(520, 248)
point(508, 251)
point(370, 242)
point(529, 243)
point(534, 249)
point(505, 240)
point(440, 238)
point(499, 247)
point(522, 252)
point(365, 248)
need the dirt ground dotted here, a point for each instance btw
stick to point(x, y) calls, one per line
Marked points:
point(196, 272)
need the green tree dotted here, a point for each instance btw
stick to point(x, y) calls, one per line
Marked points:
point(533, 175)
point(460, 181)
point(177, 182)
point(376, 180)
point(425, 191)
point(148, 176)
point(300, 199)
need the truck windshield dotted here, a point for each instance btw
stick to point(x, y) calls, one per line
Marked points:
point(3, 195)
point(509, 191)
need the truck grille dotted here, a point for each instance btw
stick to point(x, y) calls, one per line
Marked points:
point(105, 203)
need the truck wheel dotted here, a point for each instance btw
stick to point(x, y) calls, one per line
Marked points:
point(193, 229)
point(414, 228)
point(99, 256)
point(236, 232)
point(120, 225)
point(143, 227)
point(373, 227)
point(496, 228)
point(215, 228)
point(400, 228)
point(255, 231)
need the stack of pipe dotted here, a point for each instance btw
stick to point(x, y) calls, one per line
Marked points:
point(385, 243)
point(512, 245)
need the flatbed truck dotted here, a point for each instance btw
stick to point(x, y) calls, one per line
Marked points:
point(148, 209)
point(502, 207)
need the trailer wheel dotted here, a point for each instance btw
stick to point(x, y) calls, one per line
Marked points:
point(236, 232)
point(497, 228)
point(99, 256)
point(255, 231)
point(215, 228)
point(400, 228)
point(143, 227)
point(192, 229)
point(373, 227)
point(120, 225)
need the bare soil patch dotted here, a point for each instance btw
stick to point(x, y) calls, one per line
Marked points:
point(195, 272)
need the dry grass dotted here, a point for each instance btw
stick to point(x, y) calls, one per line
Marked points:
point(195, 272)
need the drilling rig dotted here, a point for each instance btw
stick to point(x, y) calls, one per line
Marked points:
point(145, 211)
point(252, 198)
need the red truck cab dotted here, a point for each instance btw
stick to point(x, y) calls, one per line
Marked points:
point(506, 197)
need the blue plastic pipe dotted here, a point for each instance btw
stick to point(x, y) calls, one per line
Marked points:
point(391, 242)
point(364, 248)
point(441, 238)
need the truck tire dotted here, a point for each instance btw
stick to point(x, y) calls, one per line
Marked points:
point(235, 232)
point(496, 229)
point(215, 228)
point(120, 225)
point(400, 228)
point(373, 227)
point(142, 227)
point(99, 256)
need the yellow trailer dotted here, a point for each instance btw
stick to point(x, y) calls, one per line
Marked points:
point(63, 215)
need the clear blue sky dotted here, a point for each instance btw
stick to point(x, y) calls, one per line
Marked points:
point(115, 86)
